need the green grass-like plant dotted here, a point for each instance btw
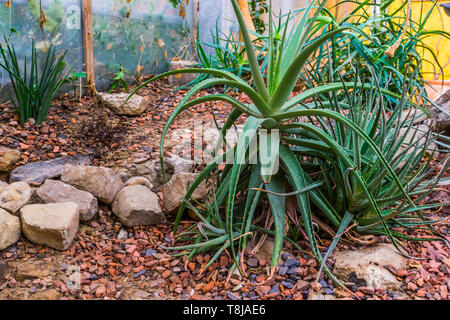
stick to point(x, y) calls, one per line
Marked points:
point(34, 86)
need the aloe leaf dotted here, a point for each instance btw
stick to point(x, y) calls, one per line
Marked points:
point(278, 209)
point(248, 134)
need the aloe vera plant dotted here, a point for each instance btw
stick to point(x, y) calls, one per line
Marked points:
point(350, 141)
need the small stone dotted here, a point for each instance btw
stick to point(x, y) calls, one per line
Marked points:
point(140, 273)
point(283, 271)
point(53, 224)
point(156, 283)
point(292, 263)
point(8, 157)
point(232, 296)
point(287, 285)
point(367, 290)
point(165, 274)
point(123, 234)
point(274, 289)
point(323, 283)
point(252, 262)
point(263, 290)
point(149, 252)
point(207, 287)
point(303, 285)
point(116, 102)
point(329, 291)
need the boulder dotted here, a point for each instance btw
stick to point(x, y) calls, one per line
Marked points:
point(441, 118)
point(39, 171)
point(175, 191)
point(116, 102)
point(368, 264)
point(3, 185)
point(15, 196)
point(53, 191)
point(136, 205)
point(53, 224)
point(9, 229)
point(8, 157)
point(183, 78)
point(153, 172)
point(102, 182)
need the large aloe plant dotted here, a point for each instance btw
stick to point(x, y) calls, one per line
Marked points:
point(346, 140)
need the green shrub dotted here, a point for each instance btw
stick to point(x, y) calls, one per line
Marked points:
point(34, 86)
point(394, 43)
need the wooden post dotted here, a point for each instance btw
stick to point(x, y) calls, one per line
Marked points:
point(195, 14)
point(88, 45)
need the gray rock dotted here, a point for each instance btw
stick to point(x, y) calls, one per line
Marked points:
point(15, 196)
point(53, 224)
point(53, 191)
point(137, 206)
point(441, 119)
point(368, 264)
point(102, 182)
point(39, 171)
point(116, 102)
point(175, 191)
point(8, 157)
point(184, 78)
point(153, 172)
point(123, 235)
point(9, 229)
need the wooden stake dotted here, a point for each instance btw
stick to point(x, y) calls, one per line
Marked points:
point(88, 45)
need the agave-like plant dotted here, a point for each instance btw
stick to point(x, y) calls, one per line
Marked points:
point(349, 141)
point(34, 86)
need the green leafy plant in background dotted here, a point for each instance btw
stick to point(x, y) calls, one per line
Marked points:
point(35, 85)
point(258, 9)
point(337, 150)
point(393, 44)
point(228, 55)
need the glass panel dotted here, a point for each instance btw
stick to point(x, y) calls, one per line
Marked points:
point(140, 36)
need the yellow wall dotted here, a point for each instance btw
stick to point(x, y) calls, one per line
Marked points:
point(441, 46)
